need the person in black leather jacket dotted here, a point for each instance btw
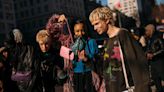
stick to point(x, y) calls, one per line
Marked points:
point(20, 59)
point(155, 55)
point(48, 62)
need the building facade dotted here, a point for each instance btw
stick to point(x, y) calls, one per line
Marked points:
point(7, 16)
point(140, 10)
point(32, 15)
point(127, 7)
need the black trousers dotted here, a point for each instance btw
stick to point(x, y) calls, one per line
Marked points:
point(157, 71)
point(83, 82)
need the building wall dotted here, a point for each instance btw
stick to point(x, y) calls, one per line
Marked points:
point(145, 10)
point(32, 15)
point(7, 16)
point(128, 7)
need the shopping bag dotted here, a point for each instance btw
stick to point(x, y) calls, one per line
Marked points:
point(66, 53)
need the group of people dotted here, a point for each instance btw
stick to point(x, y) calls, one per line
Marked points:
point(124, 65)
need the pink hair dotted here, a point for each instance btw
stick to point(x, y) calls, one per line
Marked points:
point(56, 30)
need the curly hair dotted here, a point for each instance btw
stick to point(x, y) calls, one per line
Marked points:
point(54, 27)
point(56, 30)
point(102, 13)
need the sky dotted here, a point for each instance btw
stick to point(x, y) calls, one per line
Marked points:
point(104, 2)
point(160, 1)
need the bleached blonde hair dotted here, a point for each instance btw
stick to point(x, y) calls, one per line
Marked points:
point(102, 13)
point(43, 35)
point(18, 36)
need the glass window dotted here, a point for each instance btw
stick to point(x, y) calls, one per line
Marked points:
point(2, 26)
point(0, 3)
point(33, 24)
point(31, 2)
point(25, 4)
point(38, 1)
point(32, 12)
point(15, 6)
point(9, 16)
point(10, 25)
point(27, 13)
point(21, 4)
point(39, 10)
point(1, 15)
point(22, 14)
point(40, 23)
point(46, 8)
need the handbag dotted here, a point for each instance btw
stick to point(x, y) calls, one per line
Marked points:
point(23, 71)
point(21, 76)
point(66, 53)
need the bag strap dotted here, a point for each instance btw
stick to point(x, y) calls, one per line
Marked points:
point(130, 88)
point(123, 67)
point(69, 31)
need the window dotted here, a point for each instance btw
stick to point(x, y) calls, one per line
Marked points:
point(15, 6)
point(38, 1)
point(1, 15)
point(8, 6)
point(22, 14)
point(32, 12)
point(0, 4)
point(2, 26)
point(40, 23)
point(31, 2)
point(27, 13)
point(21, 4)
point(17, 15)
point(29, 25)
point(33, 24)
point(10, 25)
point(46, 9)
point(9, 16)
point(25, 3)
point(23, 26)
point(39, 10)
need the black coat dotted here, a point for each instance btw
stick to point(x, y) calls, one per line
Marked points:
point(45, 69)
point(136, 61)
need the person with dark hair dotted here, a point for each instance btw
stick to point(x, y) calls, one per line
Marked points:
point(4, 67)
point(84, 49)
point(1, 71)
point(1, 86)
point(125, 63)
